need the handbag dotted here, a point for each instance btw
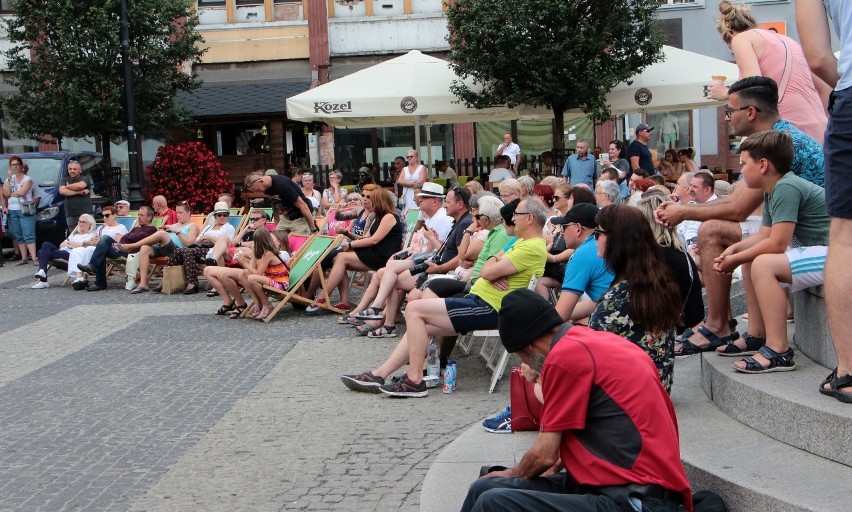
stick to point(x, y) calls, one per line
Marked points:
point(28, 208)
point(526, 409)
point(173, 280)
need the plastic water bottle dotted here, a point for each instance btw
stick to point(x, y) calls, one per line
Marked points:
point(433, 362)
point(450, 375)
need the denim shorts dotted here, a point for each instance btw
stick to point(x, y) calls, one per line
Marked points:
point(470, 313)
point(22, 227)
point(838, 155)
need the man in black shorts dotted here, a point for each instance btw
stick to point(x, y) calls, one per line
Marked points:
point(476, 310)
point(296, 211)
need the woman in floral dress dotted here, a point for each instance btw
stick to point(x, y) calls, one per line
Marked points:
point(643, 304)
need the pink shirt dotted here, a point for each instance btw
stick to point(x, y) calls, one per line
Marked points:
point(801, 104)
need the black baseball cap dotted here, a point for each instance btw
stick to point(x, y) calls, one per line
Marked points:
point(583, 214)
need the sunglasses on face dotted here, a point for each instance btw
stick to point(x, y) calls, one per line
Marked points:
point(222, 214)
point(599, 232)
point(557, 198)
point(481, 215)
point(107, 215)
point(255, 219)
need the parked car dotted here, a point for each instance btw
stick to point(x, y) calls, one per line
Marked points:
point(47, 169)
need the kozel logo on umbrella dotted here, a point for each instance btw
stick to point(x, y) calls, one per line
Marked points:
point(408, 104)
point(332, 108)
point(643, 96)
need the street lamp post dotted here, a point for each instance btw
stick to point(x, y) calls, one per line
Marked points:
point(134, 188)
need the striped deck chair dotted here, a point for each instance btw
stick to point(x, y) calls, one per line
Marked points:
point(304, 263)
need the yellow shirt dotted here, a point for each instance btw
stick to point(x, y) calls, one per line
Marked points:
point(528, 258)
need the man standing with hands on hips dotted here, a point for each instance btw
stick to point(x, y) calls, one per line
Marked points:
point(512, 150)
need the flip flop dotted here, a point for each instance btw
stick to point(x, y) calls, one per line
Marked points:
point(138, 289)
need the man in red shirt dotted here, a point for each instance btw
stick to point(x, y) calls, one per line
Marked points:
point(606, 420)
point(161, 209)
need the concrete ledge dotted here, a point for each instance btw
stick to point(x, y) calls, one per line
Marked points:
point(786, 406)
point(457, 466)
point(812, 334)
point(750, 470)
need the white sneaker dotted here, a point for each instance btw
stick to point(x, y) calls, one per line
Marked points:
point(40, 273)
point(39, 285)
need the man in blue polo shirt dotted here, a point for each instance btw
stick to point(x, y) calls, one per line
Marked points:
point(581, 166)
point(586, 272)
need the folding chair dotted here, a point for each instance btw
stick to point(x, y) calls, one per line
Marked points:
point(304, 263)
point(495, 355)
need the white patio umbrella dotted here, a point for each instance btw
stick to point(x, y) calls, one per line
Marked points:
point(679, 82)
point(412, 89)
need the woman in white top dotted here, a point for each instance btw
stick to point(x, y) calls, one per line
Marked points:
point(82, 235)
point(18, 188)
point(333, 196)
point(412, 175)
point(308, 189)
point(81, 255)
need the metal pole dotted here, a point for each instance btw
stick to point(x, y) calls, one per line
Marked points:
point(134, 188)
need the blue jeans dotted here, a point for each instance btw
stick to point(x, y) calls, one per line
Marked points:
point(103, 251)
point(22, 227)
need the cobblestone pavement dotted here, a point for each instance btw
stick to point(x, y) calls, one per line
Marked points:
point(111, 402)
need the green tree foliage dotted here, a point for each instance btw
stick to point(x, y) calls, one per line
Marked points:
point(66, 62)
point(560, 54)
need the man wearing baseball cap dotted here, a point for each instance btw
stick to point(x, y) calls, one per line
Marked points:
point(586, 272)
point(618, 445)
point(122, 208)
point(638, 152)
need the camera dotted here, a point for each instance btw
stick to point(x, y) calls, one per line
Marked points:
point(420, 262)
point(420, 257)
point(401, 255)
point(419, 268)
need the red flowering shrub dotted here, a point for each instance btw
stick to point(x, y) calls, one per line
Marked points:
point(189, 172)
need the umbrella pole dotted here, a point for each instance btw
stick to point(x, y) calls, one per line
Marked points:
point(429, 161)
point(417, 135)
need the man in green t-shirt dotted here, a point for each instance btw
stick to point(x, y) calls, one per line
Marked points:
point(477, 310)
point(788, 251)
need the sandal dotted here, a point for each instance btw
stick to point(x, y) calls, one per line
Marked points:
point(688, 348)
point(835, 384)
point(262, 314)
point(237, 311)
point(346, 319)
point(225, 309)
point(212, 292)
point(753, 344)
point(138, 289)
point(370, 313)
point(385, 331)
point(363, 330)
point(782, 362)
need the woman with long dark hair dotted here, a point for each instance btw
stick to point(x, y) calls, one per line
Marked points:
point(643, 304)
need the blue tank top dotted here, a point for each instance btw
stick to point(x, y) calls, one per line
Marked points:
point(176, 239)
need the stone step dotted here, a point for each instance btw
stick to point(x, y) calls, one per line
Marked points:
point(749, 469)
point(786, 406)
